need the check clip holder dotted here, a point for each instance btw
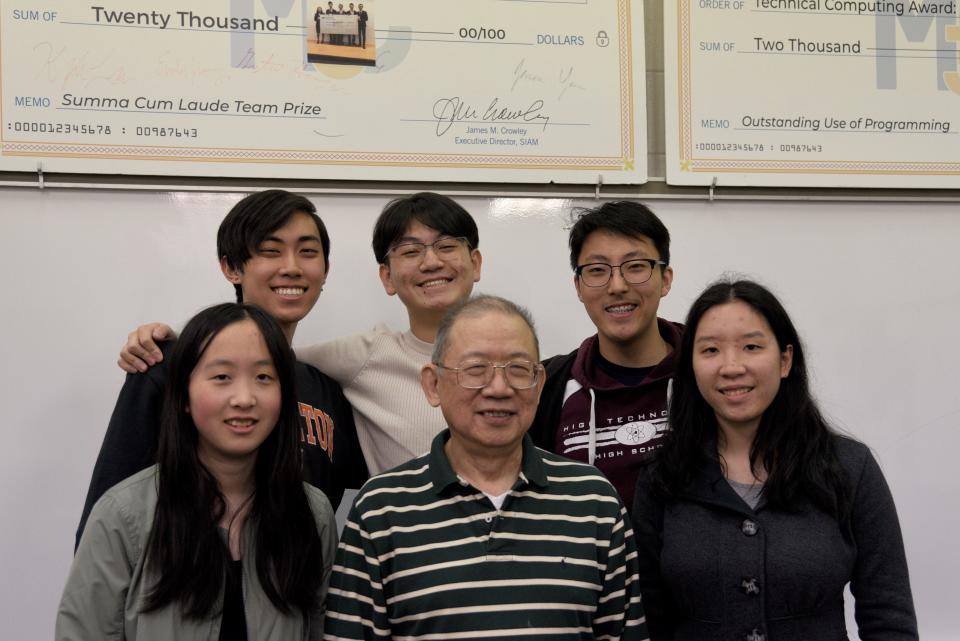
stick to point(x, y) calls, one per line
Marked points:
point(40, 175)
point(713, 187)
point(596, 191)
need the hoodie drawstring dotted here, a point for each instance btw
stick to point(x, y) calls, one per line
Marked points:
point(592, 447)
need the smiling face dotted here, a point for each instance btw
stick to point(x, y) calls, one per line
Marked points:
point(738, 364)
point(625, 314)
point(234, 395)
point(285, 272)
point(430, 284)
point(490, 421)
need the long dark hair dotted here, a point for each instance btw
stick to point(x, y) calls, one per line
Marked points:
point(185, 550)
point(794, 443)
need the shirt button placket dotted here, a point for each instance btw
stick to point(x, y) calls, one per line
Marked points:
point(750, 586)
point(486, 535)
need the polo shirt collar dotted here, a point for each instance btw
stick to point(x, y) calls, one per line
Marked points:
point(532, 468)
point(442, 476)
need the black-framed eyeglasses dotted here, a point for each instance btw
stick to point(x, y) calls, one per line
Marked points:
point(520, 375)
point(635, 271)
point(445, 247)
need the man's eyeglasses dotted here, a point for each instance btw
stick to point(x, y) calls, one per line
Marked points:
point(635, 272)
point(520, 375)
point(445, 247)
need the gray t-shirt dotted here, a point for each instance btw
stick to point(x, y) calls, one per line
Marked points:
point(749, 492)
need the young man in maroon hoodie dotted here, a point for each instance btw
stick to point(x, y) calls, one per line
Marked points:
point(605, 403)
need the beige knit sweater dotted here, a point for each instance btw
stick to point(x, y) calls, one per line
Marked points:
point(379, 371)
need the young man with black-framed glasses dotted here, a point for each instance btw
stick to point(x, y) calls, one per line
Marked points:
point(605, 403)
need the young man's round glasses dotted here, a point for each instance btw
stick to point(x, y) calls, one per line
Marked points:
point(635, 272)
point(520, 375)
point(445, 247)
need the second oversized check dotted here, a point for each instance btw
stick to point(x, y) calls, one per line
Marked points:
point(840, 93)
point(438, 90)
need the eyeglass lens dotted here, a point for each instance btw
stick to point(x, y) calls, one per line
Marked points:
point(634, 272)
point(441, 247)
point(519, 374)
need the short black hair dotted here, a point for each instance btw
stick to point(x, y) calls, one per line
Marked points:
point(433, 210)
point(256, 217)
point(624, 218)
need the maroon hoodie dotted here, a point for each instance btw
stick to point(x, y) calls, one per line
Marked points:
point(588, 416)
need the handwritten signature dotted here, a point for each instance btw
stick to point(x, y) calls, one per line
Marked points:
point(448, 111)
point(84, 68)
point(567, 82)
point(523, 76)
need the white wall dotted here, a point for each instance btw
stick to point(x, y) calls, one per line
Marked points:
point(874, 290)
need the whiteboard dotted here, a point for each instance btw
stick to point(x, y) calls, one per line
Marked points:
point(873, 289)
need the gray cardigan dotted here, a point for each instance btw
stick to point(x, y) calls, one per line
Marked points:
point(107, 583)
point(711, 568)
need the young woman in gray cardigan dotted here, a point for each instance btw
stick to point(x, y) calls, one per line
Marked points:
point(221, 539)
point(755, 514)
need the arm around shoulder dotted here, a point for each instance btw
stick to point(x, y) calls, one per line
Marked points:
point(341, 358)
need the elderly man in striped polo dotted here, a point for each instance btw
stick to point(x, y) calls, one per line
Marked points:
point(486, 536)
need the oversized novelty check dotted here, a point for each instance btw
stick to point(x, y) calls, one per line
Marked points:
point(472, 90)
point(845, 93)
point(338, 24)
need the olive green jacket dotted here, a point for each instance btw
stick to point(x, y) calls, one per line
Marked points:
point(107, 585)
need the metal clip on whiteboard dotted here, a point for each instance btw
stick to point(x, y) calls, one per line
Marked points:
point(40, 175)
point(596, 193)
point(713, 186)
